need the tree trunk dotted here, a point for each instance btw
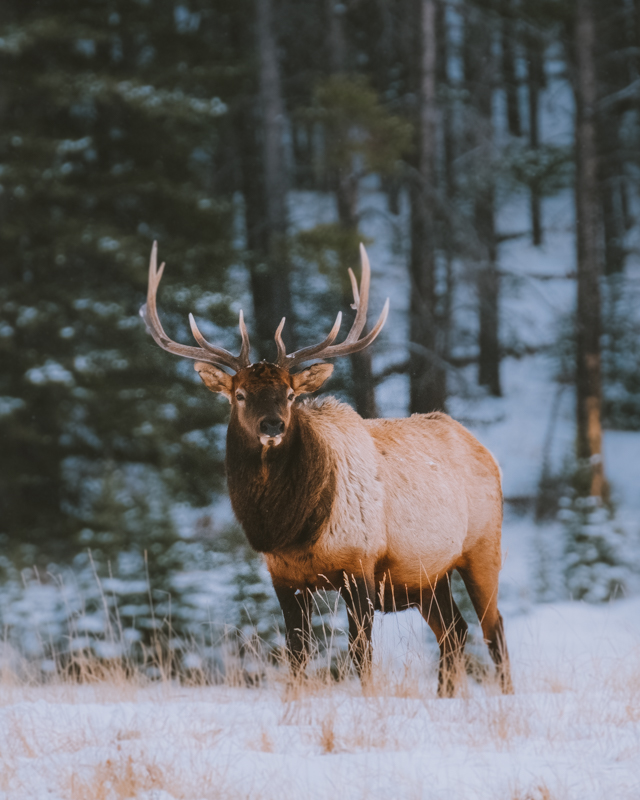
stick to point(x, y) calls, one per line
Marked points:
point(488, 294)
point(336, 41)
point(447, 177)
point(346, 191)
point(535, 81)
point(508, 34)
point(613, 216)
point(588, 379)
point(426, 369)
point(479, 69)
point(361, 367)
point(636, 14)
point(614, 73)
point(445, 112)
point(269, 265)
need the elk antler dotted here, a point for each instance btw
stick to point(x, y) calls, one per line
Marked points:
point(353, 343)
point(206, 351)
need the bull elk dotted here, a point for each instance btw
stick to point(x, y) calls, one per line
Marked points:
point(387, 508)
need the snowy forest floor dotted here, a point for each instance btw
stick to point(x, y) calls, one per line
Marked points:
point(571, 730)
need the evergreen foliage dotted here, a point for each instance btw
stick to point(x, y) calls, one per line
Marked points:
point(179, 600)
point(360, 134)
point(621, 355)
point(111, 121)
point(596, 551)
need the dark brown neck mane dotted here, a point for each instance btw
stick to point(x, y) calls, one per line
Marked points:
point(281, 497)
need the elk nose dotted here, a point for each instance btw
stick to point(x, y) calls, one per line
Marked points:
point(272, 426)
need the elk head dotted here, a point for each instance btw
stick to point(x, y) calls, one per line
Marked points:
point(262, 394)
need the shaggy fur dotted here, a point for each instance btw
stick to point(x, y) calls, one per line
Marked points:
point(281, 496)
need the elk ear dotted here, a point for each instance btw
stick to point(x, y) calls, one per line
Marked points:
point(215, 379)
point(311, 379)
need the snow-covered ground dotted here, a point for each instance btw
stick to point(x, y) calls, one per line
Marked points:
point(571, 730)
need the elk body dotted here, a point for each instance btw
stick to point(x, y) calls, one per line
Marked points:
point(383, 510)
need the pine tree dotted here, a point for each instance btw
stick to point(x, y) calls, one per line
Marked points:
point(588, 312)
point(428, 389)
point(596, 551)
point(361, 137)
point(480, 68)
point(111, 120)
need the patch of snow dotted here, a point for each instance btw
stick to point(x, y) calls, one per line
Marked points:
point(572, 729)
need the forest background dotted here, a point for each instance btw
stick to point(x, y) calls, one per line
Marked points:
point(259, 141)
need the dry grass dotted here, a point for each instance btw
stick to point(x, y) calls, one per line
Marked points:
point(263, 744)
point(108, 731)
point(124, 778)
point(538, 791)
point(115, 780)
point(328, 735)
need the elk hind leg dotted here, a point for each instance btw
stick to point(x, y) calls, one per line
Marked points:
point(480, 578)
point(444, 618)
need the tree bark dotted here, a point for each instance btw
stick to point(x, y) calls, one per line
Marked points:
point(535, 82)
point(508, 33)
point(488, 294)
point(346, 192)
point(614, 73)
point(636, 14)
point(269, 265)
point(447, 186)
point(336, 40)
point(480, 70)
point(426, 368)
point(588, 378)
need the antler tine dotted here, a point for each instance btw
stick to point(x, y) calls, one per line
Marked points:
point(346, 348)
point(353, 343)
point(308, 352)
point(246, 347)
point(282, 350)
point(354, 288)
point(361, 298)
point(207, 352)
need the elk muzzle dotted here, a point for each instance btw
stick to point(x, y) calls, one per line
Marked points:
point(271, 431)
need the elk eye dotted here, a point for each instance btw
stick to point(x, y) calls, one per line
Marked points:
point(240, 397)
point(291, 397)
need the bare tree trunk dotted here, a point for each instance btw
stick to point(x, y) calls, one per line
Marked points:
point(361, 367)
point(426, 369)
point(480, 70)
point(614, 22)
point(588, 378)
point(612, 197)
point(535, 81)
point(447, 175)
point(269, 265)
point(346, 191)
point(636, 14)
point(508, 34)
point(336, 40)
point(387, 54)
point(488, 294)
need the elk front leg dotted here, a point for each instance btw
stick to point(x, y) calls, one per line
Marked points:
point(296, 608)
point(359, 596)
